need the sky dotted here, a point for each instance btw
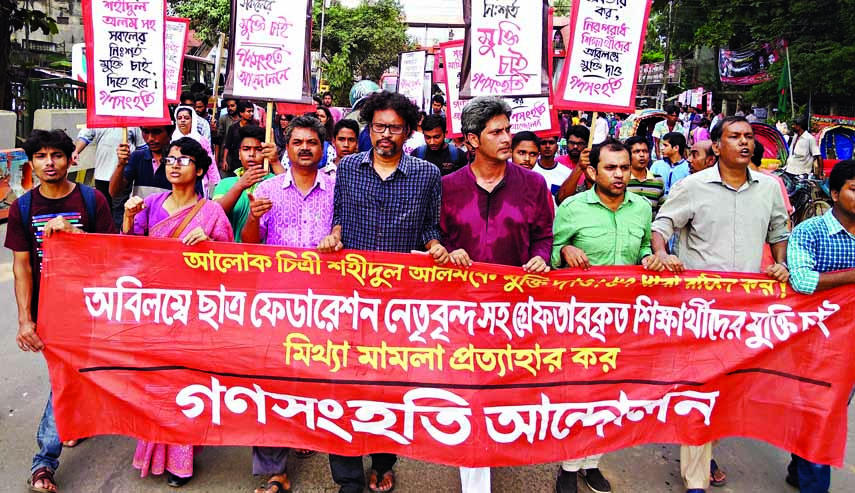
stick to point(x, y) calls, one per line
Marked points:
point(433, 11)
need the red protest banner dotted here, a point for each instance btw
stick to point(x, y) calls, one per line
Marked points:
point(125, 63)
point(600, 72)
point(359, 352)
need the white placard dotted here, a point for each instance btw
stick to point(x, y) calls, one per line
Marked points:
point(268, 54)
point(173, 56)
point(532, 114)
point(125, 60)
point(601, 70)
point(506, 48)
point(411, 76)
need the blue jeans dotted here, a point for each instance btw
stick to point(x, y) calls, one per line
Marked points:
point(813, 478)
point(50, 446)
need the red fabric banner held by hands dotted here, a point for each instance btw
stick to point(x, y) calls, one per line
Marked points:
point(359, 352)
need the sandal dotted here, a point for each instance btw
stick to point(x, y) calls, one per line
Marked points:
point(267, 488)
point(717, 476)
point(303, 453)
point(73, 443)
point(374, 486)
point(44, 475)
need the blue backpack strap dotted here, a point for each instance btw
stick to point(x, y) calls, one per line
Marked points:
point(421, 151)
point(454, 151)
point(90, 205)
point(24, 203)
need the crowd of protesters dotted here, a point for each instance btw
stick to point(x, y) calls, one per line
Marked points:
point(692, 201)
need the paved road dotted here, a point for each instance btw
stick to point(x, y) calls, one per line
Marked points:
point(103, 464)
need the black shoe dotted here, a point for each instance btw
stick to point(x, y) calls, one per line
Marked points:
point(792, 481)
point(177, 482)
point(566, 482)
point(595, 480)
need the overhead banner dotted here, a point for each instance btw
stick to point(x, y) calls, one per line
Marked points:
point(125, 63)
point(653, 73)
point(504, 52)
point(411, 76)
point(533, 114)
point(269, 50)
point(360, 352)
point(177, 33)
point(601, 70)
point(749, 65)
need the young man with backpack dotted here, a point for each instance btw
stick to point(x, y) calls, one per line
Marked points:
point(447, 158)
point(56, 205)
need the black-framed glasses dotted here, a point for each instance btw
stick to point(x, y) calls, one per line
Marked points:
point(180, 161)
point(382, 127)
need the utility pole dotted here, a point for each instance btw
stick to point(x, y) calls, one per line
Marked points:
point(667, 62)
point(324, 6)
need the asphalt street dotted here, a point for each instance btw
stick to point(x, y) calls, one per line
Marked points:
point(103, 464)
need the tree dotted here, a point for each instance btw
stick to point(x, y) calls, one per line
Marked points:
point(12, 19)
point(562, 7)
point(359, 43)
point(208, 18)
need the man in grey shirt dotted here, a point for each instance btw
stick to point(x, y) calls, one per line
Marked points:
point(724, 216)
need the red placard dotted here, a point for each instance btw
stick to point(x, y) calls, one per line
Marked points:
point(360, 352)
point(174, 96)
point(608, 89)
point(127, 54)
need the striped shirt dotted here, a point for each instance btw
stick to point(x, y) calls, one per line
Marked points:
point(820, 244)
point(651, 188)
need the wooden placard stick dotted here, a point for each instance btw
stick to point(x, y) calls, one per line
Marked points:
point(593, 129)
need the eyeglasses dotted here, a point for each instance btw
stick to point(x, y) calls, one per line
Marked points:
point(180, 161)
point(382, 127)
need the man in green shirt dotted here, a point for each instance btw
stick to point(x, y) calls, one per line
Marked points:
point(231, 193)
point(604, 225)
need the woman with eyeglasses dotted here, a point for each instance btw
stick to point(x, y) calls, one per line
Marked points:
point(187, 125)
point(185, 215)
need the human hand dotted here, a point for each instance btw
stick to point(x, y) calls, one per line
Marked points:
point(27, 338)
point(460, 258)
point(778, 272)
point(439, 253)
point(59, 224)
point(671, 262)
point(250, 177)
point(259, 206)
point(536, 266)
point(195, 236)
point(123, 152)
point(652, 262)
point(575, 257)
point(134, 206)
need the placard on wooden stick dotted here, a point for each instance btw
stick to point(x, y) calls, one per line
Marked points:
point(177, 33)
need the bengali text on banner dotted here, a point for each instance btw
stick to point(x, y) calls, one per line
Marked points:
point(359, 352)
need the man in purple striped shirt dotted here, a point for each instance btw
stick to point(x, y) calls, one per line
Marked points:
point(494, 212)
point(294, 209)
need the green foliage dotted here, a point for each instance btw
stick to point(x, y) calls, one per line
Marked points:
point(562, 7)
point(359, 43)
point(208, 18)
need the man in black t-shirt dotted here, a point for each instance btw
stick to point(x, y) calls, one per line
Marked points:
point(56, 205)
point(447, 158)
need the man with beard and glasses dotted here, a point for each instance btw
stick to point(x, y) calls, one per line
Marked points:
point(601, 226)
point(494, 212)
point(384, 201)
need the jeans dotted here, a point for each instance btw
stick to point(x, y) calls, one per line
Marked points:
point(347, 471)
point(813, 478)
point(50, 446)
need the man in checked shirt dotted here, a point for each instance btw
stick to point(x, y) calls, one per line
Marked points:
point(384, 200)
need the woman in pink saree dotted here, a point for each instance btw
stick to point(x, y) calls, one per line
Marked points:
point(184, 215)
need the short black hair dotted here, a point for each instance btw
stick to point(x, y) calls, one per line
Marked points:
point(437, 98)
point(578, 131)
point(676, 139)
point(671, 109)
point(607, 145)
point(718, 130)
point(201, 97)
point(250, 132)
point(525, 136)
point(187, 95)
point(326, 94)
point(432, 122)
point(400, 104)
point(40, 139)
point(198, 87)
point(346, 123)
point(757, 157)
point(307, 121)
point(842, 172)
point(189, 147)
point(243, 106)
point(636, 139)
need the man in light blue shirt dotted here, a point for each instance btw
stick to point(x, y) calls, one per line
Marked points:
point(673, 167)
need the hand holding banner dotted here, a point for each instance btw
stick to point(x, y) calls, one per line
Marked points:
point(601, 70)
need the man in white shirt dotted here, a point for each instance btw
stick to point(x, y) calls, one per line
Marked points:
point(601, 129)
point(805, 157)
